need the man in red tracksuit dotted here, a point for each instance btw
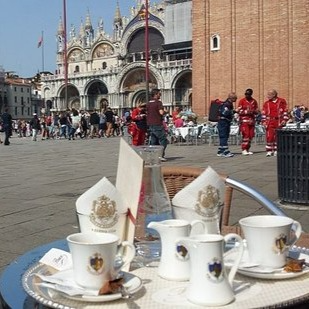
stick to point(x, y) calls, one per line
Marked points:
point(139, 117)
point(247, 111)
point(274, 116)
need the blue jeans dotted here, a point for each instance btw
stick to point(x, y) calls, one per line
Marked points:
point(63, 131)
point(72, 132)
point(34, 134)
point(158, 137)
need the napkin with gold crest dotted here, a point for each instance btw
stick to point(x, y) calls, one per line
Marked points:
point(106, 207)
point(101, 209)
point(202, 199)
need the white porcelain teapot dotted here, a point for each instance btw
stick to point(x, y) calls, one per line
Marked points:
point(174, 262)
point(209, 284)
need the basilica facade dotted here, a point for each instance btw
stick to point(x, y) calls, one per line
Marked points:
point(109, 69)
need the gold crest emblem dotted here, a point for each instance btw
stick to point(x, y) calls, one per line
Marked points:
point(281, 243)
point(104, 212)
point(208, 202)
point(96, 264)
point(215, 270)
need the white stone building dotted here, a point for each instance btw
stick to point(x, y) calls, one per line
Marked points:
point(109, 70)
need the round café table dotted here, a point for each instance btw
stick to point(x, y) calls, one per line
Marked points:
point(157, 293)
point(12, 294)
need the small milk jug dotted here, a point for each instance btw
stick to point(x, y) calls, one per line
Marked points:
point(209, 284)
point(174, 263)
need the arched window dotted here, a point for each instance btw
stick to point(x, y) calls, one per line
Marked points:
point(104, 65)
point(215, 42)
point(76, 69)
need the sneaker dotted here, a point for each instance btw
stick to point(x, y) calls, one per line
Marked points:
point(269, 154)
point(163, 159)
point(245, 153)
point(220, 154)
point(275, 153)
point(250, 153)
point(228, 155)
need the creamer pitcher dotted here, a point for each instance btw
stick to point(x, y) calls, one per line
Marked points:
point(174, 263)
point(209, 283)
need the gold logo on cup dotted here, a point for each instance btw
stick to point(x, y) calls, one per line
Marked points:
point(96, 264)
point(280, 243)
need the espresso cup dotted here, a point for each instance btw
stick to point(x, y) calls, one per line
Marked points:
point(269, 238)
point(94, 257)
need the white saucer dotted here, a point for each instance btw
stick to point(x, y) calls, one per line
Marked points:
point(56, 299)
point(277, 274)
point(132, 284)
point(253, 270)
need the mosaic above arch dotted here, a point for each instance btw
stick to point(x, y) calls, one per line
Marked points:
point(103, 50)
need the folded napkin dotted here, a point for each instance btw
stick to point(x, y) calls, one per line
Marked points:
point(102, 209)
point(63, 281)
point(202, 199)
point(103, 190)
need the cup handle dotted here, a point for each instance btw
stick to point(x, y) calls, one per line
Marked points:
point(128, 255)
point(194, 227)
point(297, 230)
point(240, 250)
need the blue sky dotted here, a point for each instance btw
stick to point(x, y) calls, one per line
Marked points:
point(22, 22)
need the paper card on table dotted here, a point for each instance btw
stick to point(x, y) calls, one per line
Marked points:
point(128, 181)
point(58, 259)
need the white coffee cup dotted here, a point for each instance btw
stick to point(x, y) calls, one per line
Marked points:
point(269, 238)
point(94, 257)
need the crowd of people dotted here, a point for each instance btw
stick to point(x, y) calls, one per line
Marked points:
point(150, 123)
point(69, 125)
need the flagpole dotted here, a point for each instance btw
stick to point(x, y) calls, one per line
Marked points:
point(147, 51)
point(65, 53)
point(42, 38)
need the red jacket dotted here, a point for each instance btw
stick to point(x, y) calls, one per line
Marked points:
point(275, 113)
point(247, 110)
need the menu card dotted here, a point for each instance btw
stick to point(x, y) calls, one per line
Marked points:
point(128, 183)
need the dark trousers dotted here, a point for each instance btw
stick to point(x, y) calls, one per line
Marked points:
point(158, 137)
point(7, 135)
point(224, 127)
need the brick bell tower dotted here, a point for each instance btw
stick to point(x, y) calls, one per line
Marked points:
point(242, 44)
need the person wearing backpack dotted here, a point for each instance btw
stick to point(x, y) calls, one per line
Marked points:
point(225, 117)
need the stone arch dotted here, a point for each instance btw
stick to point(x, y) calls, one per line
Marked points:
point(75, 103)
point(136, 66)
point(182, 85)
point(67, 95)
point(132, 30)
point(96, 91)
point(132, 82)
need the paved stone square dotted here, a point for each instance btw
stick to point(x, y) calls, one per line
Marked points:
point(40, 182)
